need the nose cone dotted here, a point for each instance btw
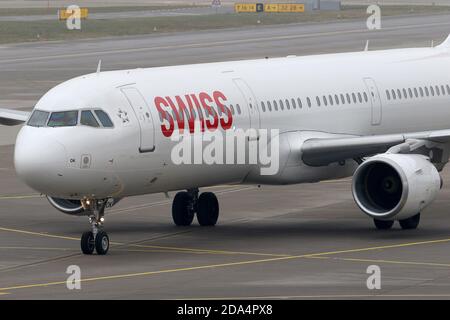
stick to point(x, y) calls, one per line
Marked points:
point(39, 159)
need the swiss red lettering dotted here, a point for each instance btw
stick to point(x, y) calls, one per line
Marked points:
point(160, 103)
point(218, 96)
point(211, 111)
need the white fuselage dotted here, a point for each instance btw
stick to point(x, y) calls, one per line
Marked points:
point(379, 92)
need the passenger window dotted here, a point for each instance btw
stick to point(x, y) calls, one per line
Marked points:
point(416, 94)
point(238, 108)
point(399, 93)
point(388, 96)
point(104, 118)
point(393, 94)
point(342, 99)
point(88, 119)
point(308, 100)
point(421, 91)
point(438, 91)
point(287, 104)
point(263, 106)
point(38, 118)
point(269, 106)
point(318, 101)
point(410, 93)
point(448, 89)
point(281, 105)
point(366, 99)
point(336, 99)
point(232, 109)
point(405, 95)
point(294, 106)
point(331, 99)
point(299, 102)
point(325, 100)
point(359, 97)
point(354, 97)
point(275, 106)
point(63, 119)
point(432, 91)
point(427, 92)
point(443, 90)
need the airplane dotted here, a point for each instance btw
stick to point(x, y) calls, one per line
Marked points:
point(380, 117)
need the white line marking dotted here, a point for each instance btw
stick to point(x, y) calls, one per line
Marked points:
point(217, 43)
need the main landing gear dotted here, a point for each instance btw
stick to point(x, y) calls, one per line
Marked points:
point(97, 239)
point(406, 224)
point(188, 203)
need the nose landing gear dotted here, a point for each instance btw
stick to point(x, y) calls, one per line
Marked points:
point(97, 239)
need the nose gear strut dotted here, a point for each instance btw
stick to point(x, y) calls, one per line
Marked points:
point(97, 239)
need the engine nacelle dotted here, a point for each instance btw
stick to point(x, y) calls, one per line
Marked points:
point(68, 206)
point(395, 186)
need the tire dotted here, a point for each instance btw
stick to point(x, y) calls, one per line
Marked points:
point(181, 214)
point(87, 242)
point(207, 209)
point(383, 224)
point(102, 243)
point(410, 223)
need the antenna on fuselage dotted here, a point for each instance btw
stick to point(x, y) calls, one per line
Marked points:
point(99, 66)
point(366, 48)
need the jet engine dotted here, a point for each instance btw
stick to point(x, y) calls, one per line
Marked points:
point(395, 186)
point(68, 206)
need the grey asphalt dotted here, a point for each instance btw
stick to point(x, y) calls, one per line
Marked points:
point(305, 241)
point(127, 14)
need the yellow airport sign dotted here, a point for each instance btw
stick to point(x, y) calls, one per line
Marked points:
point(269, 7)
point(297, 7)
point(245, 7)
point(64, 14)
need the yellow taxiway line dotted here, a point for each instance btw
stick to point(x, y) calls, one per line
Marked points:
point(413, 263)
point(35, 248)
point(29, 196)
point(224, 265)
point(189, 250)
point(37, 234)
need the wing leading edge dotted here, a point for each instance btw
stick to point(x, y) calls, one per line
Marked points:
point(324, 151)
point(10, 117)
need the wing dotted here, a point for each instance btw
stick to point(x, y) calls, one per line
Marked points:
point(10, 117)
point(323, 151)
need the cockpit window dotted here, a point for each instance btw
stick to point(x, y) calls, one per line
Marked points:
point(63, 119)
point(88, 119)
point(104, 118)
point(38, 118)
